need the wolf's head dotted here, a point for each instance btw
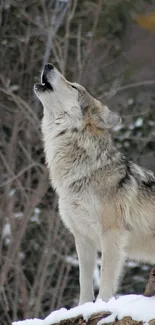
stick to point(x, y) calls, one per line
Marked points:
point(70, 103)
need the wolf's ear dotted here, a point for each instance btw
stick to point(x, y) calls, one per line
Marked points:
point(107, 118)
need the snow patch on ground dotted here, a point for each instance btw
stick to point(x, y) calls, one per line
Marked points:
point(138, 307)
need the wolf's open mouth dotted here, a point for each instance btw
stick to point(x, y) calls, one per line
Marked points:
point(46, 85)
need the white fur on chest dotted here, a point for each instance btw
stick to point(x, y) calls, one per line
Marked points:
point(65, 163)
point(81, 215)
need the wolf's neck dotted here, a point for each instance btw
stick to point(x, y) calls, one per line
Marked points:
point(101, 150)
point(72, 156)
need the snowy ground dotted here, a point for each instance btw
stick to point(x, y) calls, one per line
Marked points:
point(138, 307)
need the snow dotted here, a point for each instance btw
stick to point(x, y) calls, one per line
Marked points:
point(36, 216)
point(139, 122)
point(130, 101)
point(19, 215)
point(6, 233)
point(138, 307)
point(97, 278)
point(6, 230)
point(72, 260)
point(34, 321)
point(12, 192)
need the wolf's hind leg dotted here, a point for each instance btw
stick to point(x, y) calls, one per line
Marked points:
point(86, 251)
point(113, 243)
point(142, 248)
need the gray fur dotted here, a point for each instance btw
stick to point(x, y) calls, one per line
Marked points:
point(107, 202)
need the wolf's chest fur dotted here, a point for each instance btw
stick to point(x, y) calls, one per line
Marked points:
point(76, 160)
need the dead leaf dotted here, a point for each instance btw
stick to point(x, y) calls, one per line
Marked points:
point(147, 21)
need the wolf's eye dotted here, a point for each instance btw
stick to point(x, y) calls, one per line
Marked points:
point(74, 87)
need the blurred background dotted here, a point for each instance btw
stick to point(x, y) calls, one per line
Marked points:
point(109, 47)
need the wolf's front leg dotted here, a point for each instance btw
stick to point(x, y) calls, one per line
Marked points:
point(112, 244)
point(86, 251)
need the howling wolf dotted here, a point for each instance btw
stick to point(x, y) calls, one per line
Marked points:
point(106, 201)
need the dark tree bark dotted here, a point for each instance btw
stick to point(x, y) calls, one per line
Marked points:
point(95, 318)
point(150, 287)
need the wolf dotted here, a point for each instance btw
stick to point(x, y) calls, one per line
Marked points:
point(106, 201)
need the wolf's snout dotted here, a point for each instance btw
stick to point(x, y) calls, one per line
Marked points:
point(48, 67)
point(46, 72)
point(45, 78)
